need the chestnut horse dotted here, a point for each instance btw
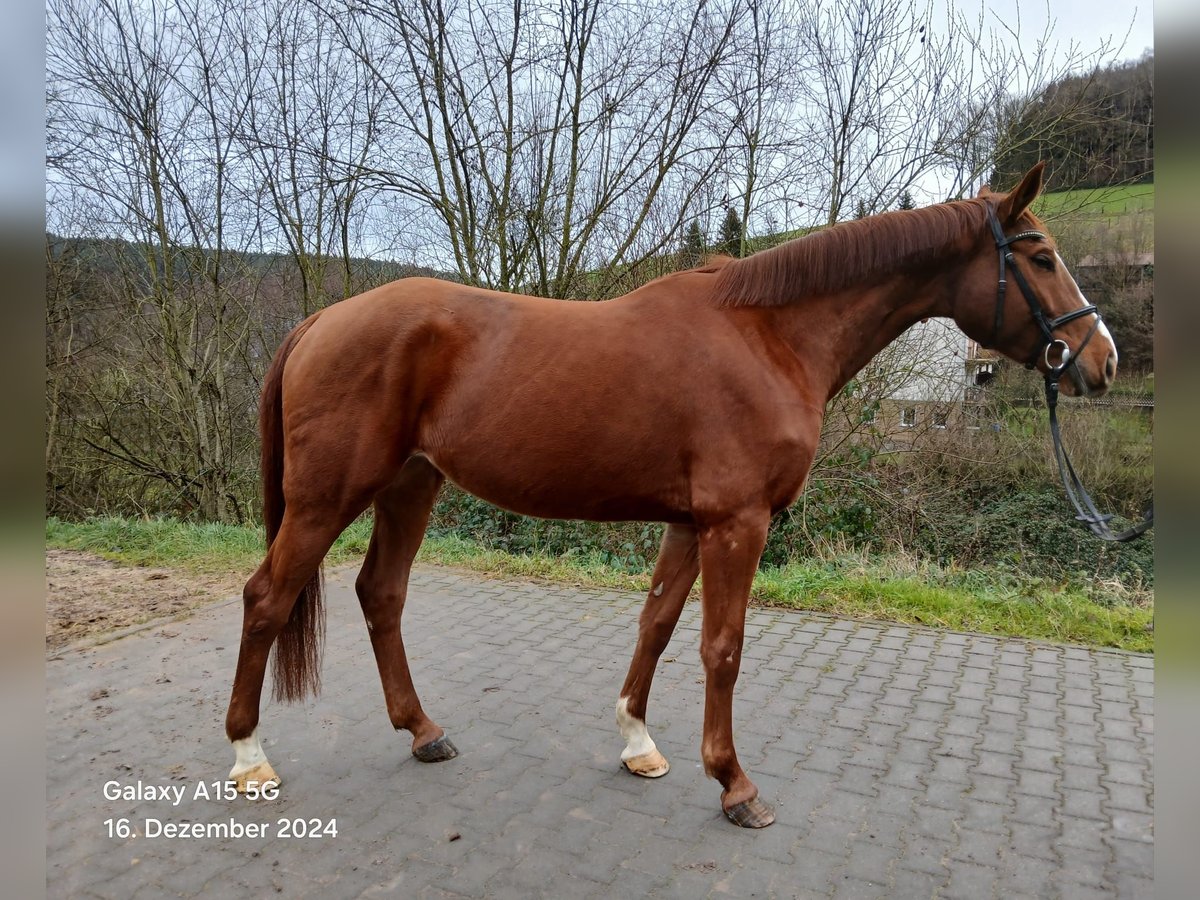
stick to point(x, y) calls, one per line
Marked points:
point(696, 401)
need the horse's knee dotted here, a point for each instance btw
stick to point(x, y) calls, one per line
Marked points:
point(722, 655)
point(381, 606)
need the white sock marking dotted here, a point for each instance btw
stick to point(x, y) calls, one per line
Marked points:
point(249, 754)
point(637, 739)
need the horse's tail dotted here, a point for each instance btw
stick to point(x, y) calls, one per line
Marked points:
point(296, 663)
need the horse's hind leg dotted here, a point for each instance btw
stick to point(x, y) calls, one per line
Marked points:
point(674, 574)
point(401, 514)
point(293, 559)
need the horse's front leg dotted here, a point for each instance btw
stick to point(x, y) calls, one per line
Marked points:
point(729, 554)
point(674, 574)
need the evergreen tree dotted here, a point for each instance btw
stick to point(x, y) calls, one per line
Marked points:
point(731, 233)
point(860, 211)
point(906, 201)
point(695, 244)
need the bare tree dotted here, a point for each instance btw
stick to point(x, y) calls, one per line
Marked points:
point(221, 169)
point(308, 134)
point(897, 98)
point(150, 98)
point(543, 138)
point(766, 159)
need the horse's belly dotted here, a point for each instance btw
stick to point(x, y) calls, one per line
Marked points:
point(534, 485)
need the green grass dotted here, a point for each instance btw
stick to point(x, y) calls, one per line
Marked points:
point(895, 588)
point(983, 601)
point(1133, 385)
point(1100, 202)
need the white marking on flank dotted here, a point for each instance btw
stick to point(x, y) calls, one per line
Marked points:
point(249, 754)
point(637, 739)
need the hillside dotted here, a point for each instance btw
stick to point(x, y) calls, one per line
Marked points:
point(113, 256)
point(1107, 201)
point(1093, 130)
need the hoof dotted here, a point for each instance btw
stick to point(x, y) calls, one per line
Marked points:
point(648, 765)
point(260, 776)
point(436, 751)
point(752, 813)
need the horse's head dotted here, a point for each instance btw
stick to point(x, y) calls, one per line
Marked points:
point(1019, 298)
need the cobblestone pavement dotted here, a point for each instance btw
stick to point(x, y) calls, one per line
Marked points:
point(902, 762)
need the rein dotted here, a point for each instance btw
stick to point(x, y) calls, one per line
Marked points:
point(1085, 507)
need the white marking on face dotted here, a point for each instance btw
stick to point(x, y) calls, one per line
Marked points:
point(249, 754)
point(637, 738)
point(658, 590)
point(1102, 330)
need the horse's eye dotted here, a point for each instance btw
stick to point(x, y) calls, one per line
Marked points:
point(1044, 262)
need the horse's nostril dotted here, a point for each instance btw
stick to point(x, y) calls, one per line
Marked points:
point(1110, 367)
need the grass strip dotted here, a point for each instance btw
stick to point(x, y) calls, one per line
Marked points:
point(851, 584)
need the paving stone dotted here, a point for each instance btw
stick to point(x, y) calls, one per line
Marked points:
point(1134, 887)
point(915, 885)
point(1133, 857)
point(902, 762)
point(970, 881)
point(1129, 797)
point(983, 816)
point(930, 855)
point(1032, 842)
point(851, 888)
point(1082, 866)
point(1019, 875)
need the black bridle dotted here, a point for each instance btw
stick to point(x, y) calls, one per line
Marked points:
point(1085, 508)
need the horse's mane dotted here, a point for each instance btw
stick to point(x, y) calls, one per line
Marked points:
point(849, 253)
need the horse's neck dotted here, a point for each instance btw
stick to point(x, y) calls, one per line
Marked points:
point(839, 334)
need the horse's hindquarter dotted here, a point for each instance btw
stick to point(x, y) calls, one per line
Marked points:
point(628, 409)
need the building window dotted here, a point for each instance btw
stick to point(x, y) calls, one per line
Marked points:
point(939, 418)
point(908, 417)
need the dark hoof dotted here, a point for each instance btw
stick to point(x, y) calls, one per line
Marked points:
point(752, 813)
point(436, 751)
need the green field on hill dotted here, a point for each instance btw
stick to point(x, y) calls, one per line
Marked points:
point(1112, 201)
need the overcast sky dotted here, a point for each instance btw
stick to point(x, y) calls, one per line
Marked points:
point(1085, 23)
point(1089, 23)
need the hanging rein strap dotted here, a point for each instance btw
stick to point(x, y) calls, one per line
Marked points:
point(1085, 508)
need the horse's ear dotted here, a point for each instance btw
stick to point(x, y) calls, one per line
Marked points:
point(1013, 206)
point(984, 190)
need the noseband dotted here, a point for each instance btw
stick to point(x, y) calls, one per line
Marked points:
point(1085, 508)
